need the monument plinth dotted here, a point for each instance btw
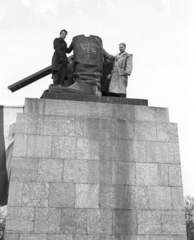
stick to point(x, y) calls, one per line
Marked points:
point(95, 170)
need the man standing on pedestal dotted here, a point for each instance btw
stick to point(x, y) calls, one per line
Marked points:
point(122, 69)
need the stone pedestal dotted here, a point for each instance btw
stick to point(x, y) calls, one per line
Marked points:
point(95, 171)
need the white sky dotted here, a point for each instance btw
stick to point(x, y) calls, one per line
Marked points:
point(159, 34)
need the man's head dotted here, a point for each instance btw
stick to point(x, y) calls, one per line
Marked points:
point(63, 33)
point(122, 47)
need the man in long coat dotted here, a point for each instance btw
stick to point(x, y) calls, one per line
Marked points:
point(122, 69)
point(59, 60)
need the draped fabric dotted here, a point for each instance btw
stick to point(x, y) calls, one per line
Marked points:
point(7, 123)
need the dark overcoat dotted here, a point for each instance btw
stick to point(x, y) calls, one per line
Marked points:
point(61, 49)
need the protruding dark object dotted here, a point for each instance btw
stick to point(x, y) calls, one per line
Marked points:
point(30, 79)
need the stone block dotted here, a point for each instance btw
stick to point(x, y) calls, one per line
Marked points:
point(125, 222)
point(68, 224)
point(177, 198)
point(59, 237)
point(56, 107)
point(162, 237)
point(87, 195)
point(35, 194)
point(125, 112)
point(93, 126)
point(20, 145)
point(163, 174)
point(47, 220)
point(146, 174)
point(175, 176)
point(24, 169)
point(134, 151)
point(33, 237)
point(174, 152)
point(128, 130)
point(157, 152)
point(81, 171)
point(123, 173)
point(145, 131)
point(106, 110)
point(34, 106)
point(167, 132)
point(50, 170)
point(28, 123)
point(141, 197)
point(15, 194)
point(81, 221)
point(64, 147)
point(80, 237)
point(160, 198)
point(112, 128)
point(112, 149)
point(62, 195)
point(88, 149)
point(162, 114)
point(99, 221)
point(39, 146)
point(20, 219)
point(173, 222)
point(149, 222)
point(11, 236)
point(180, 237)
point(144, 113)
point(105, 171)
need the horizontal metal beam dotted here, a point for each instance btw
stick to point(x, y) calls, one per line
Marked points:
point(30, 79)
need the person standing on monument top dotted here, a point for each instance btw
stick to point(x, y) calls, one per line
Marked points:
point(59, 59)
point(122, 68)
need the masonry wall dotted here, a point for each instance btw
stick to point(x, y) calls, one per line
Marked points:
point(95, 171)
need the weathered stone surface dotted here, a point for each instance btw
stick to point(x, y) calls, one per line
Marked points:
point(34, 106)
point(161, 237)
point(160, 198)
point(64, 147)
point(81, 221)
point(125, 222)
point(81, 171)
point(20, 145)
point(162, 114)
point(111, 149)
point(146, 174)
point(149, 222)
point(88, 149)
point(11, 236)
point(93, 128)
point(175, 176)
point(56, 107)
point(59, 237)
point(167, 132)
point(39, 146)
point(28, 123)
point(33, 237)
point(50, 170)
point(68, 224)
point(157, 152)
point(134, 151)
point(174, 152)
point(123, 112)
point(144, 113)
point(128, 130)
point(61, 195)
point(163, 174)
point(173, 222)
point(105, 171)
point(145, 131)
point(24, 169)
point(35, 194)
point(87, 195)
point(177, 198)
point(15, 194)
point(123, 173)
point(112, 128)
point(47, 220)
point(99, 221)
point(20, 219)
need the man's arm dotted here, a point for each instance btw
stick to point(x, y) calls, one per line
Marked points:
point(129, 65)
point(108, 56)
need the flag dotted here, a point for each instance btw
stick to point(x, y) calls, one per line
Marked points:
point(7, 122)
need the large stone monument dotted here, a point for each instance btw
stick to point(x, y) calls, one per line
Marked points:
point(90, 168)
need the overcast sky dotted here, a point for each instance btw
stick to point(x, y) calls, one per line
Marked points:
point(159, 34)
